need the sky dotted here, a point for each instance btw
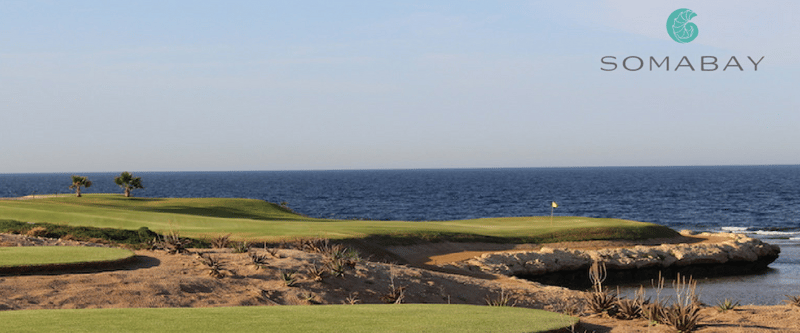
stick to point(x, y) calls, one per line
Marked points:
point(106, 86)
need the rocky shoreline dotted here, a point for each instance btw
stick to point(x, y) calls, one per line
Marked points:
point(732, 253)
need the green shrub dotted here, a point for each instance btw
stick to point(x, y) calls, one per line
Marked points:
point(121, 236)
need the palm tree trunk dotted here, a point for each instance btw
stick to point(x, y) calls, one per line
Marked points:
point(127, 192)
point(78, 191)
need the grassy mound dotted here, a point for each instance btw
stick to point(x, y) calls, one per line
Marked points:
point(45, 255)
point(322, 318)
point(260, 220)
point(24, 259)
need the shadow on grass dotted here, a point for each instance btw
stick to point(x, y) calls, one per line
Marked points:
point(569, 235)
point(226, 212)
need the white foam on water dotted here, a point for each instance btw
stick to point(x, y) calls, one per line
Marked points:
point(732, 229)
point(776, 233)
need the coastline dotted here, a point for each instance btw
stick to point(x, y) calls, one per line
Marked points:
point(709, 249)
point(530, 260)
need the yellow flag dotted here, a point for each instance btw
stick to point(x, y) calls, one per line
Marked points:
point(554, 204)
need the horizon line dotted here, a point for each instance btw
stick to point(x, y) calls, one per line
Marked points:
point(411, 169)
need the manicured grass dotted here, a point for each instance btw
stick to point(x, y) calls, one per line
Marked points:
point(260, 220)
point(48, 255)
point(322, 318)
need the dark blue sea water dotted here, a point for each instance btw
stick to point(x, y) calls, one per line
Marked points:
point(761, 200)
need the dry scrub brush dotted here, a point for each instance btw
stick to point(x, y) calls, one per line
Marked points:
point(288, 278)
point(684, 314)
point(396, 293)
point(792, 300)
point(727, 304)
point(259, 260)
point(221, 241)
point(315, 272)
point(600, 300)
point(173, 243)
point(214, 266)
point(501, 300)
point(351, 298)
point(628, 309)
point(241, 247)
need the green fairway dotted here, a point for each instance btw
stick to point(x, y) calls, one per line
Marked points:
point(323, 318)
point(49, 255)
point(260, 220)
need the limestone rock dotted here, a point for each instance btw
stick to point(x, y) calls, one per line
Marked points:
point(736, 248)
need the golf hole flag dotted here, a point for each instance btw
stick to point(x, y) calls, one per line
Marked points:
point(554, 204)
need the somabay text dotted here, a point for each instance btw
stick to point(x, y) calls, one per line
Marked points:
point(707, 63)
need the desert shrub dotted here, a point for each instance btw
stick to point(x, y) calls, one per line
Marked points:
point(315, 272)
point(336, 251)
point(241, 247)
point(308, 297)
point(396, 293)
point(651, 311)
point(173, 243)
point(792, 300)
point(314, 245)
point(727, 304)
point(600, 299)
point(258, 259)
point(502, 299)
point(351, 257)
point(221, 241)
point(351, 299)
point(214, 266)
point(337, 267)
point(682, 318)
point(628, 309)
point(684, 315)
point(37, 232)
point(288, 278)
point(68, 237)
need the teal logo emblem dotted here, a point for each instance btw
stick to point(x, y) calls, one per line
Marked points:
point(679, 27)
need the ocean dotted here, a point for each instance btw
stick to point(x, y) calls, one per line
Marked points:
point(762, 201)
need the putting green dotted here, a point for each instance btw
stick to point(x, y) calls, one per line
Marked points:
point(58, 255)
point(437, 318)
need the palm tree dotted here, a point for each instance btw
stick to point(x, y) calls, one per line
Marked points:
point(78, 182)
point(128, 182)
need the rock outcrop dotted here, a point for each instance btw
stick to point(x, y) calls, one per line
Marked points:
point(734, 248)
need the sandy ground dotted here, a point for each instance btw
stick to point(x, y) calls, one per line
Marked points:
point(159, 279)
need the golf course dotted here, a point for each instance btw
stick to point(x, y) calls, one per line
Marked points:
point(257, 220)
point(260, 221)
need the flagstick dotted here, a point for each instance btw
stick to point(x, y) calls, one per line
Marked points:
point(551, 214)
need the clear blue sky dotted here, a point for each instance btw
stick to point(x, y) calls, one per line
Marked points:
point(286, 85)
